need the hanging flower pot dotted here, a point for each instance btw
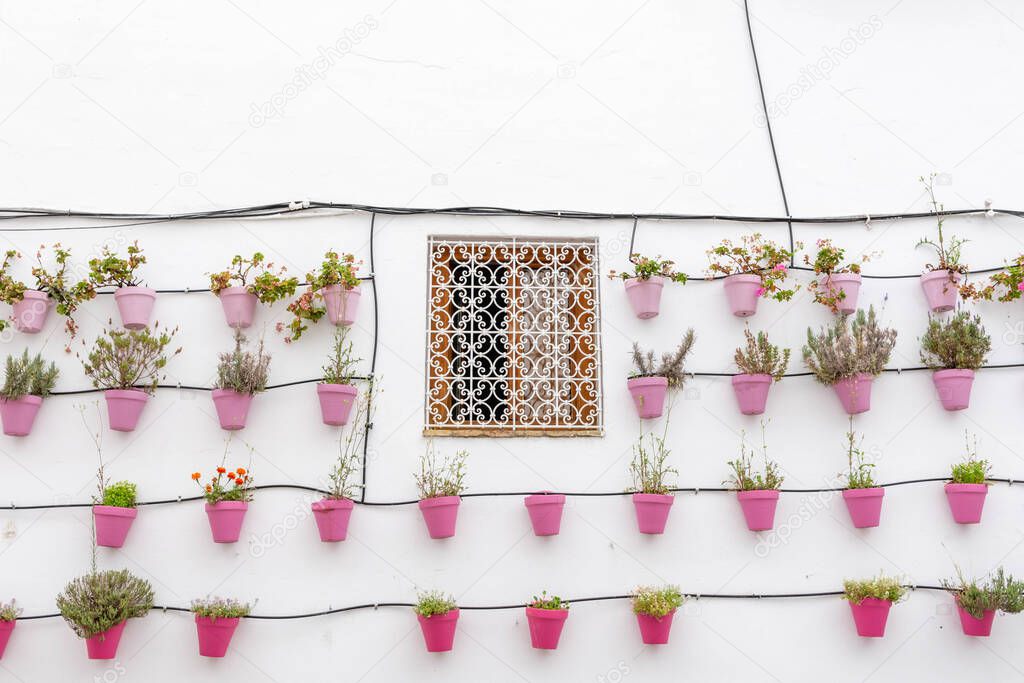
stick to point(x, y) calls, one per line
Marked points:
point(18, 415)
point(855, 393)
point(6, 629)
point(215, 634)
point(135, 305)
point(645, 295)
point(972, 625)
point(239, 306)
point(759, 508)
point(870, 616)
point(545, 626)
point(652, 511)
point(742, 292)
point(124, 407)
point(332, 516)
point(104, 645)
point(940, 288)
point(654, 608)
point(751, 392)
point(440, 514)
point(655, 630)
point(439, 630)
point(966, 502)
point(545, 512)
point(226, 519)
point(648, 395)
point(954, 387)
point(232, 408)
point(336, 401)
point(843, 289)
point(97, 605)
point(864, 506)
point(112, 524)
point(30, 313)
point(342, 304)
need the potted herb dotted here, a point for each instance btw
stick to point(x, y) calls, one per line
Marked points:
point(97, 605)
point(837, 281)
point(336, 392)
point(645, 281)
point(333, 290)
point(9, 613)
point(216, 621)
point(12, 292)
point(955, 349)
point(654, 609)
point(848, 356)
point(127, 365)
point(977, 603)
point(759, 364)
point(941, 281)
point(651, 489)
point(227, 497)
point(650, 380)
point(56, 288)
point(753, 269)
point(546, 616)
point(114, 512)
point(758, 492)
point(241, 374)
point(438, 615)
point(862, 497)
point(439, 485)
point(246, 282)
point(545, 510)
point(134, 302)
point(27, 381)
point(968, 486)
point(870, 601)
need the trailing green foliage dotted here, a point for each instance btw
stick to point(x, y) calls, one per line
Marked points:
point(644, 268)
point(269, 284)
point(110, 270)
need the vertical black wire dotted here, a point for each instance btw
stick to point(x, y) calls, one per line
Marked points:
point(373, 360)
point(632, 240)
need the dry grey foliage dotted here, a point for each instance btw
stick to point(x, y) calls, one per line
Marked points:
point(242, 370)
point(672, 365)
point(846, 349)
point(761, 357)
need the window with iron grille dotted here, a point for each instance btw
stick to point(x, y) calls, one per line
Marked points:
point(513, 337)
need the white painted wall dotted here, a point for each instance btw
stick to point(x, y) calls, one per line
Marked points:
point(639, 106)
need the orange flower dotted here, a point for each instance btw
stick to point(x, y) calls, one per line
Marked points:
point(221, 470)
point(209, 488)
point(196, 475)
point(241, 470)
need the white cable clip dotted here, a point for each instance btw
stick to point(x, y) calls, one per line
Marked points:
point(867, 221)
point(179, 498)
point(186, 289)
point(696, 490)
point(305, 203)
point(899, 371)
point(989, 213)
point(294, 206)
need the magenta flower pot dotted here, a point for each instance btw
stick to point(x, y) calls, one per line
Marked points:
point(648, 395)
point(440, 514)
point(545, 512)
point(751, 392)
point(870, 617)
point(842, 286)
point(864, 506)
point(30, 313)
point(342, 304)
point(104, 645)
point(232, 408)
point(239, 306)
point(19, 415)
point(645, 295)
point(652, 511)
point(112, 524)
point(332, 516)
point(743, 291)
point(439, 630)
point(966, 502)
point(6, 628)
point(973, 626)
point(759, 508)
point(226, 519)
point(336, 401)
point(124, 406)
point(855, 393)
point(655, 630)
point(215, 634)
point(135, 305)
point(954, 387)
point(940, 288)
point(545, 626)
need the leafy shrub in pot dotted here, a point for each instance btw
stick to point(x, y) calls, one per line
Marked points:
point(97, 605)
point(134, 301)
point(955, 349)
point(870, 601)
point(216, 621)
point(651, 380)
point(114, 512)
point(757, 492)
point(245, 283)
point(654, 609)
point(754, 268)
point(333, 291)
point(55, 289)
point(837, 282)
point(652, 498)
point(760, 363)
point(645, 282)
point(437, 614)
point(546, 616)
point(241, 374)
point(27, 381)
point(977, 603)
point(439, 485)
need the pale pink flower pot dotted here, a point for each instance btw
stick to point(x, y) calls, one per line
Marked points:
point(545, 512)
point(751, 392)
point(870, 616)
point(112, 524)
point(19, 415)
point(342, 304)
point(239, 306)
point(226, 519)
point(232, 408)
point(336, 401)
point(652, 511)
point(439, 630)
point(843, 286)
point(940, 288)
point(966, 502)
point(332, 516)
point(104, 645)
point(973, 626)
point(545, 626)
point(30, 313)
point(759, 508)
point(648, 395)
point(440, 515)
point(215, 634)
point(655, 630)
point(6, 628)
point(645, 295)
point(743, 291)
point(855, 393)
point(124, 406)
point(135, 304)
point(954, 388)
point(864, 506)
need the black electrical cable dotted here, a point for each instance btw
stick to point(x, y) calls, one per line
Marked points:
point(373, 365)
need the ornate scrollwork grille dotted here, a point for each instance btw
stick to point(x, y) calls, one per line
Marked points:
point(513, 338)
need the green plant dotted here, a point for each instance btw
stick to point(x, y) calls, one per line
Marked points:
point(754, 256)
point(11, 291)
point(129, 359)
point(112, 271)
point(672, 365)
point(831, 260)
point(98, 601)
point(957, 343)
point(220, 608)
point(657, 602)
point(309, 308)
point(761, 357)
point(881, 587)
point(1006, 285)
point(340, 364)
point(242, 370)
point(9, 611)
point(649, 466)
point(236, 485)
point(859, 474)
point(66, 295)
point(120, 494)
point(350, 447)
point(441, 479)
point(644, 268)
point(947, 252)
point(28, 376)
point(1002, 592)
point(971, 470)
point(268, 283)
point(545, 602)
point(431, 603)
point(844, 349)
point(744, 478)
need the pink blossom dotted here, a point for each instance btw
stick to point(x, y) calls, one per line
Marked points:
point(780, 266)
point(760, 291)
point(1020, 287)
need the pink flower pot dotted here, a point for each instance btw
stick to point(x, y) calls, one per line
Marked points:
point(751, 392)
point(112, 524)
point(239, 306)
point(440, 515)
point(332, 517)
point(954, 387)
point(845, 287)
point(973, 626)
point(336, 401)
point(545, 512)
point(648, 395)
point(759, 508)
point(439, 630)
point(226, 519)
point(940, 288)
point(864, 506)
point(342, 304)
point(19, 415)
point(655, 630)
point(743, 291)
point(870, 617)
point(104, 645)
point(215, 634)
point(124, 406)
point(855, 393)
point(645, 295)
point(135, 305)
point(966, 502)
point(545, 626)
point(30, 313)
point(232, 408)
point(652, 511)
point(6, 628)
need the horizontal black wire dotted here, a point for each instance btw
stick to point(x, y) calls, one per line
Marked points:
point(190, 290)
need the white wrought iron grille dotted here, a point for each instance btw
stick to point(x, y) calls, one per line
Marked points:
point(513, 337)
